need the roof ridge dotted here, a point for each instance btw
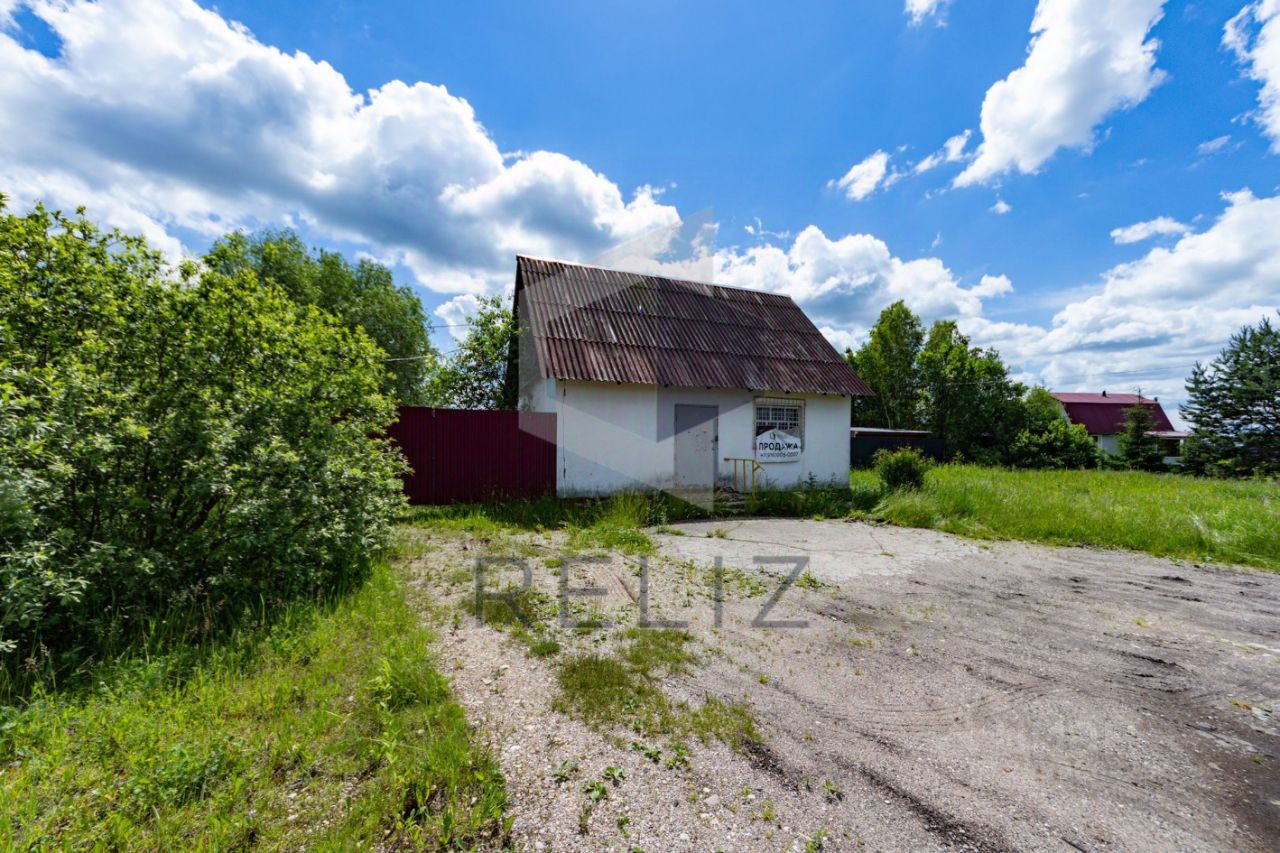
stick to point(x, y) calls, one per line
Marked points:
point(520, 257)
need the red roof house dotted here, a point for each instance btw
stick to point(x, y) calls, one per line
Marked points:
point(1103, 416)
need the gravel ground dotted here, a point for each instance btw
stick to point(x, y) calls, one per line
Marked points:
point(942, 694)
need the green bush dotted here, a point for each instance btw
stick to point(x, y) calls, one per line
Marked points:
point(901, 469)
point(1060, 445)
point(196, 445)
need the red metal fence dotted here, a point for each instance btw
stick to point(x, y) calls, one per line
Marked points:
point(460, 456)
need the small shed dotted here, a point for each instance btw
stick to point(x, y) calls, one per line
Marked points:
point(865, 441)
point(665, 384)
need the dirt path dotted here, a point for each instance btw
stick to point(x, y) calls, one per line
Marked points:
point(942, 695)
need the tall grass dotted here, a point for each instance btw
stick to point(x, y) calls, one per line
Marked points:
point(1233, 521)
point(331, 728)
point(1163, 514)
point(612, 524)
point(550, 513)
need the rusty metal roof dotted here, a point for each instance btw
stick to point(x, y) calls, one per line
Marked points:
point(603, 325)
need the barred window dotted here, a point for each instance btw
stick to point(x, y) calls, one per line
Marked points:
point(787, 416)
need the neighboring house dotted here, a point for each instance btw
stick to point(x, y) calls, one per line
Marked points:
point(1103, 415)
point(662, 384)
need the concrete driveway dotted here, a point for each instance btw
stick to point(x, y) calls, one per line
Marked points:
point(915, 691)
point(1008, 695)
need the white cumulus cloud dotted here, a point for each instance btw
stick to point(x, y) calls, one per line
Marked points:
point(1254, 36)
point(862, 179)
point(1153, 317)
point(161, 115)
point(1139, 231)
point(166, 119)
point(844, 283)
point(1087, 58)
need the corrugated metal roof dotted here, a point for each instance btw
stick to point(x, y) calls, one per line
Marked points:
point(1103, 414)
point(1104, 398)
point(604, 325)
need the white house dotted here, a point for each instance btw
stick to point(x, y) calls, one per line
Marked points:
point(661, 384)
point(1103, 415)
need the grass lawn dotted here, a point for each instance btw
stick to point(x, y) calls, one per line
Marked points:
point(1232, 521)
point(331, 729)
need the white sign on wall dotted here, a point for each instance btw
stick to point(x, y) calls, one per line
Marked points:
point(777, 446)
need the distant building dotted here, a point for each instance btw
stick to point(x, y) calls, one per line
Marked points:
point(1103, 415)
point(865, 441)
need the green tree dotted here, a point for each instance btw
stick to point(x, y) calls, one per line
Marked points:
point(1234, 406)
point(201, 443)
point(969, 401)
point(474, 375)
point(1059, 445)
point(887, 362)
point(362, 295)
point(1138, 448)
point(1041, 410)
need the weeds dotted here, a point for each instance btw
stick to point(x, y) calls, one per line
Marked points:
point(595, 790)
point(596, 688)
point(652, 753)
point(656, 653)
point(565, 771)
point(512, 607)
point(808, 581)
point(544, 648)
point(731, 724)
point(521, 612)
point(609, 691)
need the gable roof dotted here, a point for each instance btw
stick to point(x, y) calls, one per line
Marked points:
point(603, 325)
point(1103, 414)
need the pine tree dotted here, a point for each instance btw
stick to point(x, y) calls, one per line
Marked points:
point(1139, 449)
point(1234, 407)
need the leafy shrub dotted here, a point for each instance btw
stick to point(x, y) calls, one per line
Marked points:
point(1060, 445)
point(901, 469)
point(199, 444)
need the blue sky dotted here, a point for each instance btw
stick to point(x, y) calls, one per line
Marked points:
point(443, 138)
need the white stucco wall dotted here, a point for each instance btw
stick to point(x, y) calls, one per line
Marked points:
point(613, 438)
